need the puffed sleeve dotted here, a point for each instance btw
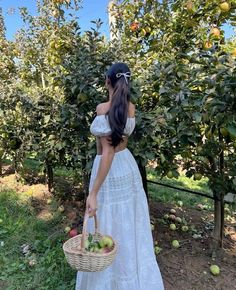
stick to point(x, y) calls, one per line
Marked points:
point(100, 126)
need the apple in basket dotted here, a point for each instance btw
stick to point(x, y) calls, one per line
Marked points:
point(104, 245)
point(106, 242)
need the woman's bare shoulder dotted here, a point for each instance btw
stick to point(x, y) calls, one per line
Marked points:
point(131, 110)
point(102, 108)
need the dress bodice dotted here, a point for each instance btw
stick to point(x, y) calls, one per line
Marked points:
point(101, 127)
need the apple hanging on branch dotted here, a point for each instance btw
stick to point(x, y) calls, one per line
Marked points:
point(215, 32)
point(207, 45)
point(134, 26)
point(224, 6)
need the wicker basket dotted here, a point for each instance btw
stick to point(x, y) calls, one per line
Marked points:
point(82, 260)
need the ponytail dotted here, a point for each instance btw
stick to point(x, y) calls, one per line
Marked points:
point(118, 75)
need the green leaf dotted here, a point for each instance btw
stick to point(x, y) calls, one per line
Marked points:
point(197, 117)
point(90, 237)
point(46, 118)
point(232, 130)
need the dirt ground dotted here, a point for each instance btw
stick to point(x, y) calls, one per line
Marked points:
point(185, 268)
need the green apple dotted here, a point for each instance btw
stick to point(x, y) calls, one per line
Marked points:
point(175, 244)
point(96, 249)
point(67, 229)
point(180, 203)
point(169, 174)
point(197, 176)
point(166, 216)
point(106, 241)
point(173, 227)
point(152, 227)
point(1, 220)
point(178, 219)
point(184, 228)
point(157, 250)
point(215, 270)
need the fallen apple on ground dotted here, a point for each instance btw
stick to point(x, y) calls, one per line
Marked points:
point(172, 217)
point(166, 216)
point(184, 228)
point(157, 250)
point(175, 243)
point(73, 233)
point(172, 211)
point(173, 227)
point(67, 229)
point(61, 208)
point(178, 219)
point(180, 203)
point(215, 270)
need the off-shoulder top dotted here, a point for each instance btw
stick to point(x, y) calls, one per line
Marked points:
point(101, 127)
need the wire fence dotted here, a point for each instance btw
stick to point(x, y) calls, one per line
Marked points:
point(183, 189)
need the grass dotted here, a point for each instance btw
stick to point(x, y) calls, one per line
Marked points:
point(169, 195)
point(20, 225)
point(34, 165)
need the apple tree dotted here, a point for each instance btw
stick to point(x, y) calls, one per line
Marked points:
point(186, 74)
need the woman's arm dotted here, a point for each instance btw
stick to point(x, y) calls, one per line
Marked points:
point(108, 153)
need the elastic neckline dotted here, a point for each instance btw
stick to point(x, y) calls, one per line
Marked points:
point(104, 115)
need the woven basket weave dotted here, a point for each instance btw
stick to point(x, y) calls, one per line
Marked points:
point(85, 261)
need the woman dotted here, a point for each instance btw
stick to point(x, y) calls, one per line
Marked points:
point(117, 194)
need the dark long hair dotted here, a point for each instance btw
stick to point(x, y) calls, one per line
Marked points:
point(118, 112)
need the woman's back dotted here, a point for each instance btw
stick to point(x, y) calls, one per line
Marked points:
point(102, 110)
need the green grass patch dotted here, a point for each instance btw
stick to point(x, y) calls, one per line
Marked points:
point(169, 195)
point(19, 225)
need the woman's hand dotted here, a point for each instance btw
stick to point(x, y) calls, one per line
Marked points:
point(91, 205)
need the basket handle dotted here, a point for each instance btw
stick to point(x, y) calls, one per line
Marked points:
point(84, 232)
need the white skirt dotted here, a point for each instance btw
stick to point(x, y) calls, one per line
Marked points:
point(123, 213)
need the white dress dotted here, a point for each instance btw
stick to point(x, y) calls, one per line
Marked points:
point(122, 213)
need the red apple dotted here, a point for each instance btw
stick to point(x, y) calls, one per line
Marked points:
point(106, 250)
point(73, 233)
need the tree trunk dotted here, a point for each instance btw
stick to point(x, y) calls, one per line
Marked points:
point(1, 161)
point(16, 166)
point(49, 173)
point(144, 178)
point(218, 224)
